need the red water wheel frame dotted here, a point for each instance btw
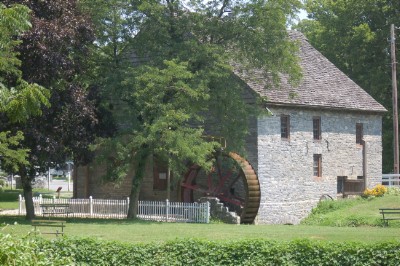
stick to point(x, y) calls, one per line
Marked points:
point(249, 204)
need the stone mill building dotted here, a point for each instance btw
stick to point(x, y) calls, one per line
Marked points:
point(320, 139)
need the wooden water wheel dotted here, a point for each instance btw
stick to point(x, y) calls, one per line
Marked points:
point(231, 179)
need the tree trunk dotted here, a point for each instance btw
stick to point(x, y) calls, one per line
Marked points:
point(27, 188)
point(137, 180)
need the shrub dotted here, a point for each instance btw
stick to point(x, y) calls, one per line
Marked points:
point(377, 191)
point(70, 251)
point(28, 251)
point(393, 191)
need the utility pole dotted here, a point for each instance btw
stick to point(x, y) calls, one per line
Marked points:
point(394, 96)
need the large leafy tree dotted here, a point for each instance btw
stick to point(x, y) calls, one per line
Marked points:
point(18, 99)
point(164, 68)
point(52, 54)
point(355, 35)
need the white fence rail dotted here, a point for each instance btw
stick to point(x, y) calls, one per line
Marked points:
point(118, 209)
point(391, 180)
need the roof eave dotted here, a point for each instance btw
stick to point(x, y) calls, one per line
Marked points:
point(307, 106)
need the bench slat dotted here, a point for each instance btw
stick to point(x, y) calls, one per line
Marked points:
point(50, 223)
point(55, 208)
point(54, 205)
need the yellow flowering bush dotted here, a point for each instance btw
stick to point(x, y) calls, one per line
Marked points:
point(377, 191)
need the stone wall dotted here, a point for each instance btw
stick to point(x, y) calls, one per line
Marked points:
point(289, 189)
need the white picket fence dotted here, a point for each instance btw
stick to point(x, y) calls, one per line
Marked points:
point(118, 209)
point(391, 180)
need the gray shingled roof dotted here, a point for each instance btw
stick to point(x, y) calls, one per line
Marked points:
point(323, 85)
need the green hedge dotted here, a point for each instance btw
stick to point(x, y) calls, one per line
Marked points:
point(70, 251)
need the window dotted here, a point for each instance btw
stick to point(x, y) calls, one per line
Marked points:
point(317, 169)
point(359, 133)
point(160, 172)
point(285, 127)
point(317, 128)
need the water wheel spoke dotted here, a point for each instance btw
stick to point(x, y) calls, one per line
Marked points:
point(197, 188)
point(222, 181)
point(233, 182)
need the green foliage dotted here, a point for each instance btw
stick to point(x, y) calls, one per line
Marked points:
point(27, 251)
point(14, 21)
point(67, 251)
point(22, 99)
point(393, 191)
point(26, 100)
point(171, 69)
point(166, 127)
point(9, 149)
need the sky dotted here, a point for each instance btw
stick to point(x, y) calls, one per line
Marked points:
point(302, 14)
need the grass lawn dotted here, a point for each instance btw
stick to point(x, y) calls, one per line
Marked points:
point(144, 232)
point(338, 221)
point(9, 199)
point(9, 205)
point(354, 212)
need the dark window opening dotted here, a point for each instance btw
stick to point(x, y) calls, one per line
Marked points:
point(317, 128)
point(359, 133)
point(340, 183)
point(317, 169)
point(285, 127)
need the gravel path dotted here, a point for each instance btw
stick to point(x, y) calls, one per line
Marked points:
point(9, 212)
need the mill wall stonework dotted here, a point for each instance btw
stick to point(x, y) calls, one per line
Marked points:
point(289, 190)
point(89, 181)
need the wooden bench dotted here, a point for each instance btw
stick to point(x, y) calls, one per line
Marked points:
point(49, 223)
point(389, 214)
point(52, 209)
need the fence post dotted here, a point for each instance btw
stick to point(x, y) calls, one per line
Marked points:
point(91, 206)
point(20, 205)
point(208, 212)
point(127, 206)
point(40, 202)
point(166, 209)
